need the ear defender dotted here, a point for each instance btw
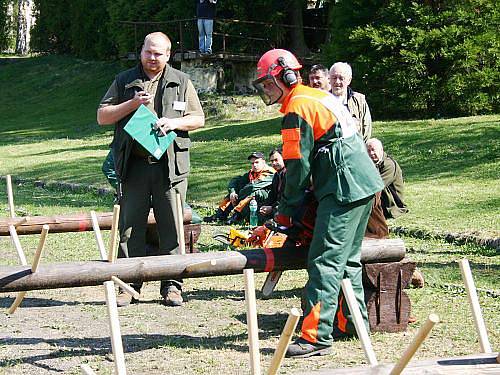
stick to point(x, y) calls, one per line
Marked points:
point(288, 76)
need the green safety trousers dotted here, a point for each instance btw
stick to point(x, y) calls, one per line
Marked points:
point(334, 254)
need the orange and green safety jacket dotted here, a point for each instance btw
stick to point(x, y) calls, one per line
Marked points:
point(316, 148)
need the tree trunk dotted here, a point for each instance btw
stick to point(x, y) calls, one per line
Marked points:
point(165, 267)
point(25, 21)
point(297, 41)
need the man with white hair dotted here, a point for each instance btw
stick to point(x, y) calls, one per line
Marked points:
point(340, 79)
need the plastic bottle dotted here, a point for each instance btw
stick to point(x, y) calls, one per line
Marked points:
point(253, 213)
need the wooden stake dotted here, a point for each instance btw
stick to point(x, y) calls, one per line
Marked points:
point(114, 233)
point(10, 197)
point(17, 245)
point(253, 329)
point(98, 236)
point(422, 333)
point(474, 305)
point(125, 287)
point(358, 322)
point(285, 338)
point(116, 337)
point(86, 370)
point(180, 229)
point(498, 357)
point(34, 266)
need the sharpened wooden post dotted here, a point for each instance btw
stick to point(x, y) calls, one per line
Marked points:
point(498, 357)
point(253, 328)
point(114, 324)
point(422, 333)
point(285, 338)
point(180, 221)
point(98, 236)
point(10, 196)
point(17, 245)
point(114, 234)
point(125, 287)
point(22, 220)
point(36, 261)
point(358, 322)
point(86, 370)
point(474, 306)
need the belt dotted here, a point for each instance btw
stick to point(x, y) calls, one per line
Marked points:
point(148, 159)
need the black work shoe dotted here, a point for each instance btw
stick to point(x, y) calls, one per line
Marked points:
point(210, 219)
point(218, 216)
point(172, 296)
point(302, 349)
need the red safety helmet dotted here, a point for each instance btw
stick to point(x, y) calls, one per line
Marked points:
point(276, 64)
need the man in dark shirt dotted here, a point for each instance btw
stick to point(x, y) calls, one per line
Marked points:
point(270, 205)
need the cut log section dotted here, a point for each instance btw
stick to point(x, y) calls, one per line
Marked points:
point(68, 223)
point(76, 274)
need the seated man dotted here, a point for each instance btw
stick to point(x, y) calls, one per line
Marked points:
point(270, 205)
point(256, 183)
point(390, 171)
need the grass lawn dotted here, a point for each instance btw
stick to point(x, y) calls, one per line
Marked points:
point(48, 132)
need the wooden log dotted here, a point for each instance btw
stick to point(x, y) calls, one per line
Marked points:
point(75, 274)
point(477, 364)
point(114, 324)
point(284, 341)
point(253, 328)
point(474, 306)
point(422, 334)
point(358, 322)
point(10, 197)
point(69, 223)
point(36, 261)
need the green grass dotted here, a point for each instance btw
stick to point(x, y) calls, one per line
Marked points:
point(48, 132)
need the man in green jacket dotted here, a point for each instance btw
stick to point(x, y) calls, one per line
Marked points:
point(143, 180)
point(392, 175)
point(241, 189)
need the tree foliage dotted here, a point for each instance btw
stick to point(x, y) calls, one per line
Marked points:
point(420, 58)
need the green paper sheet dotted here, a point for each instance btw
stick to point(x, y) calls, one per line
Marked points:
point(141, 128)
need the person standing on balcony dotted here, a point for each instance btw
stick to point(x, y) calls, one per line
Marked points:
point(205, 12)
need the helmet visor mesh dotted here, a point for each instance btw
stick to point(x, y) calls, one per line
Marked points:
point(268, 89)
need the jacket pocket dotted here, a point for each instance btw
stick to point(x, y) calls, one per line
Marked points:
point(181, 149)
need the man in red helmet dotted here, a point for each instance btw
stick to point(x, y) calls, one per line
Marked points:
point(320, 141)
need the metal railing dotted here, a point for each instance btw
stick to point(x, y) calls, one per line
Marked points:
point(230, 36)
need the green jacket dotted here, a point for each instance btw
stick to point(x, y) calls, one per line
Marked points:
point(392, 195)
point(358, 107)
point(172, 87)
point(314, 147)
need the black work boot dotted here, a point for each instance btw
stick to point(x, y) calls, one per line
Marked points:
point(218, 216)
point(302, 349)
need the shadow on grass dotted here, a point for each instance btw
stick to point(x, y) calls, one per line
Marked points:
point(211, 294)
point(31, 302)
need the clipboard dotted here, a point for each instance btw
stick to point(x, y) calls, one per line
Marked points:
point(141, 128)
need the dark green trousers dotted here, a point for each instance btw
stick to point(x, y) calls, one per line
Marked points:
point(147, 185)
point(334, 254)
